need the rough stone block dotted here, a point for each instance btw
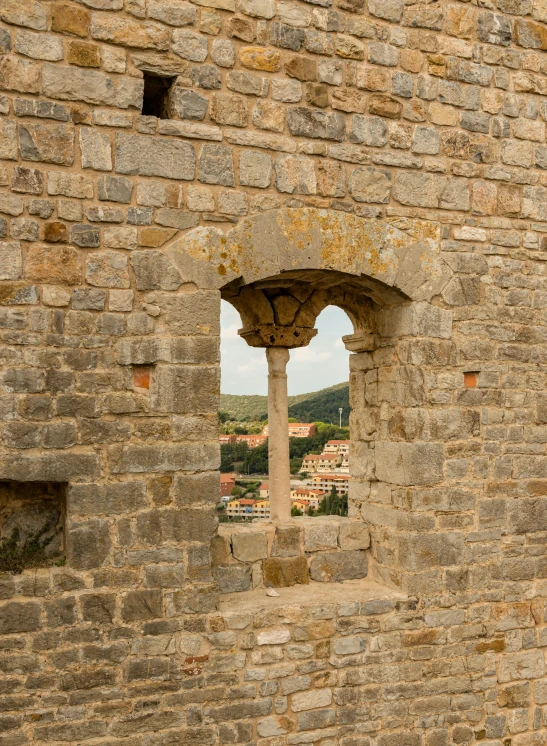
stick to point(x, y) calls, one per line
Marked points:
point(11, 260)
point(354, 535)
point(107, 269)
point(16, 617)
point(49, 143)
point(122, 497)
point(154, 271)
point(370, 185)
point(295, 174)
point(216, 165)
point(409, 463)
point(77, 84)
point(68, 18)
point(124, 31)
point(139, 606)
point(528, 515)
point(280, 572)
point(152, 156)
point(249, 546)
point(88, 544)
point(233, 578)
point(96, 149)
point(421, 552)
point(286, 542)
point(58, 264)
point(320, 535)
point(188, 104)
point(333, 567)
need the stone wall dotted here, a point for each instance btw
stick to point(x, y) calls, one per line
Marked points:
point(260, 554)
point(397, 149)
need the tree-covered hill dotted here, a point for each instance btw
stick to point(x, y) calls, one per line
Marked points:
point(323, 406)
point(315, 406)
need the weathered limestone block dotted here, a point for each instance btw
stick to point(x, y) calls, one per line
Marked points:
point(186, 389)
point(19, 617)
point(154, 271)
point(189, 45)
point(233, 578)
point(28, 13)
point(152, 156)
point(77, 84)
point(333, 567)
point(57, 264)
point(216, 165)
point(259, 58)
point(70, 19)
point(85, 236)
point(117, 498)
point(84, 54)
point(249, 546)
point(409, 463)
point(188, 104)
point(107, 269)
point(311, 700)
point(11, 260)
point(89, 544)
point(286, 542)
point(96, 149)
point(79, 186)
point(320, 535)
point(27, 180)
point(421, 552)
point(38, 46)
point(528, 515)
point(138, 459)
point(172, 13)
point(430, 190)
point(19, 75)
point(354, 535)
point(280, 572)
point(140, 34)
point(50, 143)
point(295, 174)
point(370, 185)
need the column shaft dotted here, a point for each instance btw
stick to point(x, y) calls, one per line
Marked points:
point(278, 435)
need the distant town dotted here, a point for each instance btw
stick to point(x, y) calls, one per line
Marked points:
point(319, 480)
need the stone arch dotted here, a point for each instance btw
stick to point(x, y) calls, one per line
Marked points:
point(400, 257)
point(386, 274)
point(282, 310)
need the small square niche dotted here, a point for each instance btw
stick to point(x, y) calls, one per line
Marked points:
point(32, 525)
point(155, 101)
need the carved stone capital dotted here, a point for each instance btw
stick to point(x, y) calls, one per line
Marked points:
point(272, 335)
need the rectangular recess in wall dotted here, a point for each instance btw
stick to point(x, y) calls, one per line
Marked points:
point(32, 525)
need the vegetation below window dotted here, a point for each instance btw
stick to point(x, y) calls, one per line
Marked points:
point(18, 554)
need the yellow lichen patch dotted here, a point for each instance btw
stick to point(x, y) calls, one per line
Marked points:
point(258, 58)
point(297, 225)
point(357, 246)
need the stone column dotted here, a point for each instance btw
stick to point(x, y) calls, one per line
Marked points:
point(278, 435)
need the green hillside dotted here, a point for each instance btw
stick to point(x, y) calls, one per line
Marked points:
point(317, 405)
point(323, 406)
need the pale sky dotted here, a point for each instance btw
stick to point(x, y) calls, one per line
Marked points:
point(324, 362)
